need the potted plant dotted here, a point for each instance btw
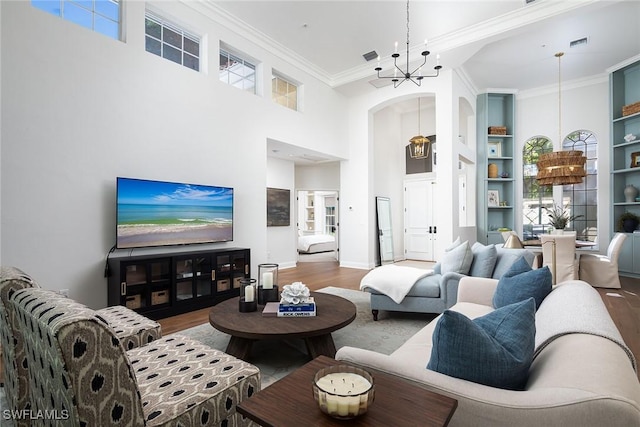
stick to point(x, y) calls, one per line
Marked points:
point(628, 222)
point(559, 217)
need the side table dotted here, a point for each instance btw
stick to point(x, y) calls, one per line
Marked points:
point(289, 401)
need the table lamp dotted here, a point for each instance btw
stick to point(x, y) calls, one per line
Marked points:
point(513, 242)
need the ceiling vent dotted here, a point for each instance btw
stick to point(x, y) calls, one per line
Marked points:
point(579, 42)
point(529, 1)
point(370, 56)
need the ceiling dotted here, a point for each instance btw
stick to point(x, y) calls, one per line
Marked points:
point(503, 44)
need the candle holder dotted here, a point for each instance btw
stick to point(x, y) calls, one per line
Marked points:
point(343, 391)
point(268, 283)
point(268, 295)
point(248, 298)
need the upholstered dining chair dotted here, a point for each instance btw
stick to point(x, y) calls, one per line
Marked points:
point(601, 271)
point(566, 265)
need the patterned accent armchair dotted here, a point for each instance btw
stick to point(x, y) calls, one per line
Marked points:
point(13, 357)
point(80, 371)
point(133, 329)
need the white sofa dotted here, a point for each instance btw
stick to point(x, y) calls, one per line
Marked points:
point(576, 379)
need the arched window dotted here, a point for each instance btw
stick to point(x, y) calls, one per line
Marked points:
point(534, 197)
point(583, 198)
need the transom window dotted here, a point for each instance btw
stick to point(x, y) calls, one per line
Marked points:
point(237, 72)
point(284, 92)
point(101, 16)
point(171, 42)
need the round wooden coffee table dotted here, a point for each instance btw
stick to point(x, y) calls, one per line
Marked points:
point(333, 313)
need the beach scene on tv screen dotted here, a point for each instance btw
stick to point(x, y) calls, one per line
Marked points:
point(153, 213)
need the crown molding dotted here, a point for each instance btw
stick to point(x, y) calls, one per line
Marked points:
point(623, 64)
point(566, 85)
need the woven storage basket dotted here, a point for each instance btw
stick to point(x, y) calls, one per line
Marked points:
point(631, 109)
point(497, 130)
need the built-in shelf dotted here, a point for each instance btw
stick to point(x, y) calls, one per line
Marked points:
point(624, 85)
point(495, 109)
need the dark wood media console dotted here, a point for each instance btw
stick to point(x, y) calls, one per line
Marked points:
point(162, 285)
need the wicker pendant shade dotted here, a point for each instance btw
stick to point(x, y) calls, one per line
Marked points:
point(561, 168)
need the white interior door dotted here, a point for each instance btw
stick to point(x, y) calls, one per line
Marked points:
point(420, 229)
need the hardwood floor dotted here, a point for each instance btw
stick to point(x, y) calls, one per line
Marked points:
point(624, 307)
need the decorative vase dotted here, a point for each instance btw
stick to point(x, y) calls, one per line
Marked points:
point(557, 231)
point(493, 170)
point(630, 193)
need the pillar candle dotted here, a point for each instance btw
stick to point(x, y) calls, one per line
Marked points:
point(249, 294)
point(267, 280)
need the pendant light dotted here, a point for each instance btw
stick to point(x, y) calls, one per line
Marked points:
point(420, 146)
point(561, 167)
point(414, 76)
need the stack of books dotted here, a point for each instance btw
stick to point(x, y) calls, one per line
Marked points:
point(303, 309)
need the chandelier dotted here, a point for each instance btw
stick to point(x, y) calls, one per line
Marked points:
point(416, 75)
point(561, 167)
point(420, 145)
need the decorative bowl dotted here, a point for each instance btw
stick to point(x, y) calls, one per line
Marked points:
point(343, 391)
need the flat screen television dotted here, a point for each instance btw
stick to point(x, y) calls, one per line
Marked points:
point(158, 213)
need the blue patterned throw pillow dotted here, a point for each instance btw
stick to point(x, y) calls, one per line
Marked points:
point(495, 349)
point(521, 282)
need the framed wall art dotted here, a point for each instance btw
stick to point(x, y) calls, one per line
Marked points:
point(635, 159)
point(278, 207)
point(494, 198)
point(495, 149)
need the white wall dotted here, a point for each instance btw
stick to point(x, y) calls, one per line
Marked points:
point(281, 241)
point(585, 105)
point(80, 109)
point(389, 169)
point(325, 176)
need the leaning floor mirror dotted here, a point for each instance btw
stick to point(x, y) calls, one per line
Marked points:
point(384, 229)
